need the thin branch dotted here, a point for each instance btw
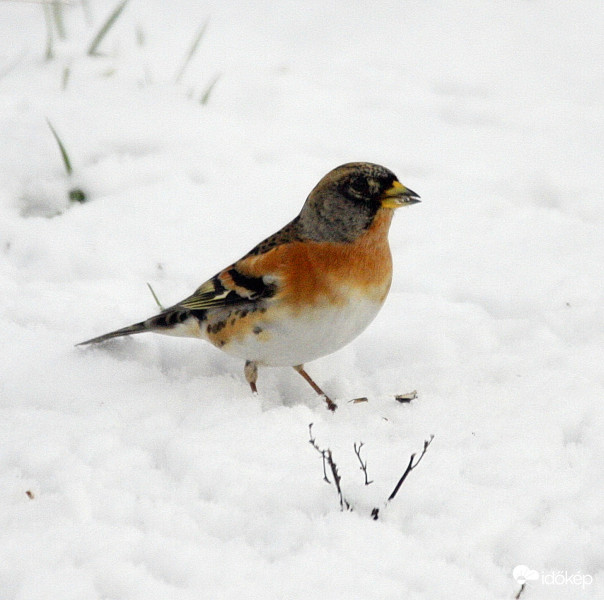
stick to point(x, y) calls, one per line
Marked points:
point(517, 596)
point(410, 468)
point(337, 479)
point(312, 441)
point(328, 458)
point(363, 467)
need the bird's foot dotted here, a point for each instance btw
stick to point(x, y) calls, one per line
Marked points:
point(331, 405)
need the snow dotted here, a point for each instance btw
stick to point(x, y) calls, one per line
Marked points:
point(145, 469)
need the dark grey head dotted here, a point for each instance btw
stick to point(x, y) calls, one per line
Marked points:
point(345, 202)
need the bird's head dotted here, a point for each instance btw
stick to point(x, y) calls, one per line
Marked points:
point(346, 200)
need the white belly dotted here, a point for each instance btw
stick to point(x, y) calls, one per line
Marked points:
point(293, 339)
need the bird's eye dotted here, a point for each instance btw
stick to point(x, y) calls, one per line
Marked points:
point(359, 186)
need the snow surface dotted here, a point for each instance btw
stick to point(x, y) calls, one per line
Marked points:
point(145, 469)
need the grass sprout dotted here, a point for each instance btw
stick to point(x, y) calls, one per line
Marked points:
point(62, 149)
point(57, 12)
point(208, 91)
point(159, 304)
point(65, 78)
point(192, 50)
point(140, 36)
point(49, 54)
point(75, 194)
point(104, 30)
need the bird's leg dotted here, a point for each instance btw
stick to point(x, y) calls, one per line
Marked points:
point(251, 374)
point(331, 405)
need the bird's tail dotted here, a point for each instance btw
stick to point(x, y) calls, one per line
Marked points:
point(167, 322)
point(130, 330)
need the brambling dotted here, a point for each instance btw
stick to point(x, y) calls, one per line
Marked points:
point(305, 291)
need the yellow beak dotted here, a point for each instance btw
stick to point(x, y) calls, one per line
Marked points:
point(398, 195)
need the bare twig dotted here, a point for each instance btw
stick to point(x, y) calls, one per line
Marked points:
point(517, 596)
point(337, 479)
point(312, 441)
point(327, 457)
point(410, 468)
point(376, 511)
point(357, 451)
point(328, 461)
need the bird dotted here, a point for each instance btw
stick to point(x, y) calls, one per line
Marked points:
point(305, 291)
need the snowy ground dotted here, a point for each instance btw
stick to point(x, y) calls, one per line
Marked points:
point(144, 469)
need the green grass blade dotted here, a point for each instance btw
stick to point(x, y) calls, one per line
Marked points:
point(155, 297)
point(192, 51)
point(109, 23)
point(57, 12)
point(208, 91)
point(64, 154)
point(65, 78)
point(140, 36)
point(49, 55)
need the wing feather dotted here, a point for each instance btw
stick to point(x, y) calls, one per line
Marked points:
point(229, 287)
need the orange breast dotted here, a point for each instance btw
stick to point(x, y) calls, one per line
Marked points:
point(316, 272)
